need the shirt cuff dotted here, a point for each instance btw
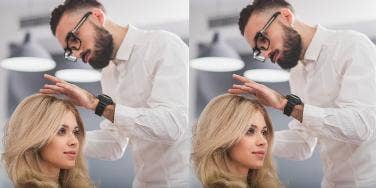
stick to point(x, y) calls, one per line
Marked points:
point(313, 116)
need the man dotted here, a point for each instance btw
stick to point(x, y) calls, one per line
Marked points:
point(145, 82)
point(333, 79)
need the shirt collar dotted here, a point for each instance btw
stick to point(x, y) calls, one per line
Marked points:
point(317, 42)
point(125, 49)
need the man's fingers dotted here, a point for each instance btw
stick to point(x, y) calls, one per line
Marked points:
point(236, 91)
point(66, 86)
point(240, 78)
point(253, 85)
point(53, 78)
point(55, 88)
point(48, 92)
point(71, 90)
point(244, 87)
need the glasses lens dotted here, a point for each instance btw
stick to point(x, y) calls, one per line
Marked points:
point(258, 55)
point(73, 42)
point(262, 42)
point(69, 56)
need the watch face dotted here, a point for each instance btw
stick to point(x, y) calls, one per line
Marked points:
point(294, 99)
point(105, 98)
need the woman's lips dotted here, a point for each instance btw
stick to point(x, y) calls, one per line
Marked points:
point(71, 154)
point(259, 154)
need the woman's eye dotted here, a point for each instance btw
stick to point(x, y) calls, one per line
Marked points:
point(61, 131)
point(77, 133)
point(265, 132)
point(250, 131)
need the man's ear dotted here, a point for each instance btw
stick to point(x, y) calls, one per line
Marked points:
point(98, 15)
point(287, 16)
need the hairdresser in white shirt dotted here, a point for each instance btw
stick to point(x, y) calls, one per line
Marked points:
point(145, 86)
point(333, 86)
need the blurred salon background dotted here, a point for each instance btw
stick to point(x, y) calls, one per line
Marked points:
point(214, 33)
point(25, 32)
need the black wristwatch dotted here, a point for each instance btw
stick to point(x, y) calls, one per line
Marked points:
point(292, 100)
point(104, 100)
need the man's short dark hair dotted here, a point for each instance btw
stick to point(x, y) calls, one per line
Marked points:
point(70, 6)
point(259, 6)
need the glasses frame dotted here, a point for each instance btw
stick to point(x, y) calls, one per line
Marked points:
point(260, 36)
point(71, 36)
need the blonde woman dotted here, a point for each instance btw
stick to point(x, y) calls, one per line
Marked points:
point(232, 144)
point(43, 144)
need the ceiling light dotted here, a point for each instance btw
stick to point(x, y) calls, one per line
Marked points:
point(217, 64)
point(267, 75)
point(217, 56)
point(28, 57)
point(28, 64)
point(78, 75)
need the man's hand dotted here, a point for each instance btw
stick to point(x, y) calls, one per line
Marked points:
point(77, 95)
point(265, 95)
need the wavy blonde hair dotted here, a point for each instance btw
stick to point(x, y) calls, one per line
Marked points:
point(32, 125)
point(221, 125)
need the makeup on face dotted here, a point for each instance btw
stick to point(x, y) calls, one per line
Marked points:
point(62, 150)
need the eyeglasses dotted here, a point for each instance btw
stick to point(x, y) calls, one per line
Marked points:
point(261, 41)
point(72, 41)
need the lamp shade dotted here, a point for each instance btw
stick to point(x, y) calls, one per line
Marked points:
point(217, 56)
point(28, 57)
point(79, 75)
point(267, 75)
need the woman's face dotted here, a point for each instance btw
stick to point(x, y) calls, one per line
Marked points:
point(250, 151)
point(61, 152)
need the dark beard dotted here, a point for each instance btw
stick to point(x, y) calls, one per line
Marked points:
point(292, 48)
point(104, 46)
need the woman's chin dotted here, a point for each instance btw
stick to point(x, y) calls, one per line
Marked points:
point(68, 166)
point(256, 166)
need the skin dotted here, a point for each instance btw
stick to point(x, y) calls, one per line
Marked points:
point(243, 154)
point(54, 155)
point(86, 32)
point(77, 95)
point(274, 33)
point(266, 95)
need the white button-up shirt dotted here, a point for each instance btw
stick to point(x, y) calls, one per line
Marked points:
point(148, 81)
point(337, 84)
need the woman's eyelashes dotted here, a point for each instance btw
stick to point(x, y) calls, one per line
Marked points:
point(265, 132)
point(77, 132)
point(63, 130)
point(252, 130)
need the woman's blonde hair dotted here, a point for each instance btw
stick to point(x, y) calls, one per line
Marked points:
point(32, 125)
point(221, 125)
